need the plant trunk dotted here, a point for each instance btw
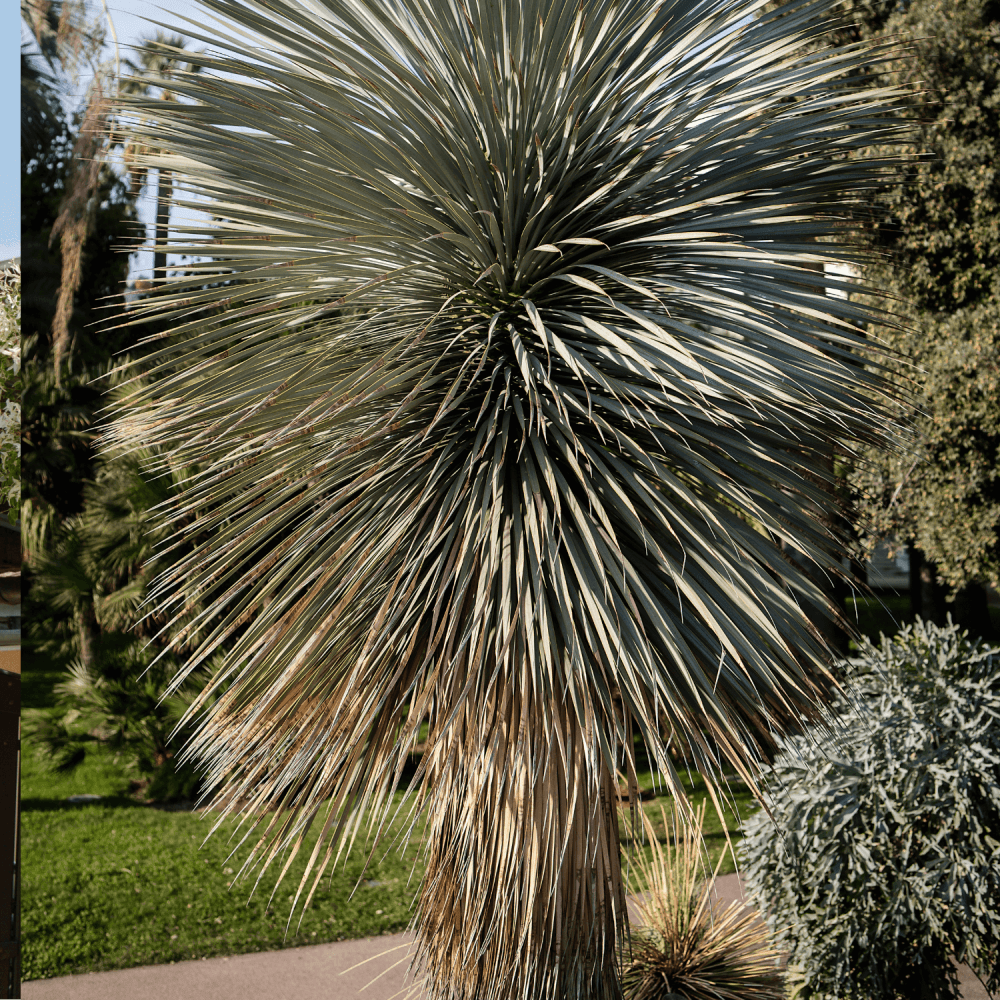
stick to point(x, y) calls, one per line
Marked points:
point(164, 194)
point(916, 582)
point(511, 819)
point(931, 592)
point(86, 632)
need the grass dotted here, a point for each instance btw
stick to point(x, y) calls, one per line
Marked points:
point(117, 883)
point(37, 684)
point(120, 883)
point(114, 884)
point(738, 805)
point(43, 788)
point(886, 612)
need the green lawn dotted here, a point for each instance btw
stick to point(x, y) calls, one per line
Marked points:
point(119, 883)
point(37, 682)
point(737, 802)
point(887, 612)
point(881, 613)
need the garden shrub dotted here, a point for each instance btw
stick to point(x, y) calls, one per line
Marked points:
point(116, 702)
point(886, 856)
point(684, 945)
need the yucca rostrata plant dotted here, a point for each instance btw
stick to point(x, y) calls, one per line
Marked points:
point(688, 945)
point(511, 379)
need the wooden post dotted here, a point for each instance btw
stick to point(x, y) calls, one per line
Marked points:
point(10, 833)
point(10, 757)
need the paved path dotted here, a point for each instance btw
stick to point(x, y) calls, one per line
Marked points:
point(341, 971)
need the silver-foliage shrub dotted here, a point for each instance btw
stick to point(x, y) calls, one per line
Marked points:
point(887, 854)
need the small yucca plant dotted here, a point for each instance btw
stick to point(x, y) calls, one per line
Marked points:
point(511, 393)
point(687, 946)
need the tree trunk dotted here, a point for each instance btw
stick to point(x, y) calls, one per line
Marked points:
point(164, 194)
point(916, 583)
point(971, 611)
point(508, 822)
point(928, 598)
point(932, 595)
point(86, 632)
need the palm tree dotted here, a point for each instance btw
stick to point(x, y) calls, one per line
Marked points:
point(68, 41)
point(157, 61)
point(523, 395)
point(93, 568)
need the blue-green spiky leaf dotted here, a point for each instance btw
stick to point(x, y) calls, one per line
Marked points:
point(512, 403)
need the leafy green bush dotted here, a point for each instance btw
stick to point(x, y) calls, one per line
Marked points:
point(116, 702)
point(11, 384)
point(887, 858)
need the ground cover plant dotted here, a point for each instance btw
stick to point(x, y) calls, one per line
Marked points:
point(883, 858)
point(510, 397)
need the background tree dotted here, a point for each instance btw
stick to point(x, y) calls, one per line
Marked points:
point(40, 111)
point(529, 378)
point(86, 558)
point(89, 526)
point(63, 355)
point(155, 63)
point(68, 40)
point(10, 391)
point(90, 572)
point(57, 413)
point(939, 232)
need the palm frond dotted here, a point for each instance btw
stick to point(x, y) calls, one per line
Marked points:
point(510, 392)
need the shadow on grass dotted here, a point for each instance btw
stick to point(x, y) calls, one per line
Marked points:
point(37, 687)
point(52, 805)
point(39, 804)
